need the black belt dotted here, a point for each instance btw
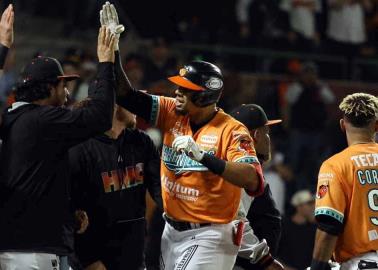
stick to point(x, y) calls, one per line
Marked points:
point(184, 226)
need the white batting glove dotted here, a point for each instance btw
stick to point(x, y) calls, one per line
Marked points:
point(109, 18)
point(334, 265)
point(259, 251)
point(187, 145)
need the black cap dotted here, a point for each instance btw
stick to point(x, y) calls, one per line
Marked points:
point(252, 116)
point(44, 69)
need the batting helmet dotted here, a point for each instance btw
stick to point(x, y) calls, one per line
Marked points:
point(204, 78)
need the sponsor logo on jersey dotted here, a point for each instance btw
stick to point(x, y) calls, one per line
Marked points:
point(209, 139)
point(325, 175)
point(322, 191)
point(179, 162)
point(180, 191)
point(123, 178)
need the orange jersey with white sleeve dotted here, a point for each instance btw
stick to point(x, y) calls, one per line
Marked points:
point(348, 192)
point(190, 191)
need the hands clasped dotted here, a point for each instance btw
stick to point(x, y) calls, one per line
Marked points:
point(186, 144)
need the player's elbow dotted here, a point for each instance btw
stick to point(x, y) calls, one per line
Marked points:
point(254, 185)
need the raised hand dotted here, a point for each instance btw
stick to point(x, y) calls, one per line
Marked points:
point(105, 45)
point(109, 19)
point(6, 26)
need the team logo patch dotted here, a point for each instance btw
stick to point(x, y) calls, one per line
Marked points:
point(245, 144)
point(214, 83)
point(322, 191)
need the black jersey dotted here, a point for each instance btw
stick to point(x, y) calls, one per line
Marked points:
point(110, 178)
point(34, 197)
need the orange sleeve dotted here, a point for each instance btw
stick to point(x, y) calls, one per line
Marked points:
point(162, 108)
point(241, 149)
point(330, 197)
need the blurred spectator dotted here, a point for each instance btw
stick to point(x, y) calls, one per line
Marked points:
point(298, 233)
point(346, 27)
point(81, 62)
point(191, 30)
point(87, 73)
point(135, 70)
point(276, 173)
point(82, 16)
point(261, 22)
point(306, 114)
point(160, 64)
point(303, 22)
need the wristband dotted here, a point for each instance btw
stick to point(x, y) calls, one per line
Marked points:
point(319, 265)
point(214, 164)
point(3, 55)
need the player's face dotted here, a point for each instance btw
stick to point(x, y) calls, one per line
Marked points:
point(59, 94)
point(307, 210)
point(183, 101)
point(262, 140)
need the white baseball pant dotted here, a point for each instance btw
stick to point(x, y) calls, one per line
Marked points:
point(28, 261)
point(352, 264)
point(205, 248)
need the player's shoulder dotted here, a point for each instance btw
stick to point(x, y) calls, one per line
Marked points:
point(135, 135)
point(336, 158)
point(231, 123)
point(339, 160)
point(53, 109)
point(163, 99)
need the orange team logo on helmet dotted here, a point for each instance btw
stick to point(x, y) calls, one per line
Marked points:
point(183, 72)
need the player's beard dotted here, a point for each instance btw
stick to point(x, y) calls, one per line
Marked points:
point(181, 112)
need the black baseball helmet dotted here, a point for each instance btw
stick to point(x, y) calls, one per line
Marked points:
point(204, 78)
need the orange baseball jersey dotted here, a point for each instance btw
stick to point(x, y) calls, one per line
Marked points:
point(190, 191)
point(348, 192)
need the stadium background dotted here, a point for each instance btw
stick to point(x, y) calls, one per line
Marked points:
point(263, 58)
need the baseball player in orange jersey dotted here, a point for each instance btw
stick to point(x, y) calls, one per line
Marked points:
point(207, 158)
point(347, 196)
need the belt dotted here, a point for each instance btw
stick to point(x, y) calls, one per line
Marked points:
point(184, 226)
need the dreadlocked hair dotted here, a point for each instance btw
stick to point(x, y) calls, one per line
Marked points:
point(360, 109)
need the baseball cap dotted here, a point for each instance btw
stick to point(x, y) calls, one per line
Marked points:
point(44, 69)
point(302, 197)
point(252, 116)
